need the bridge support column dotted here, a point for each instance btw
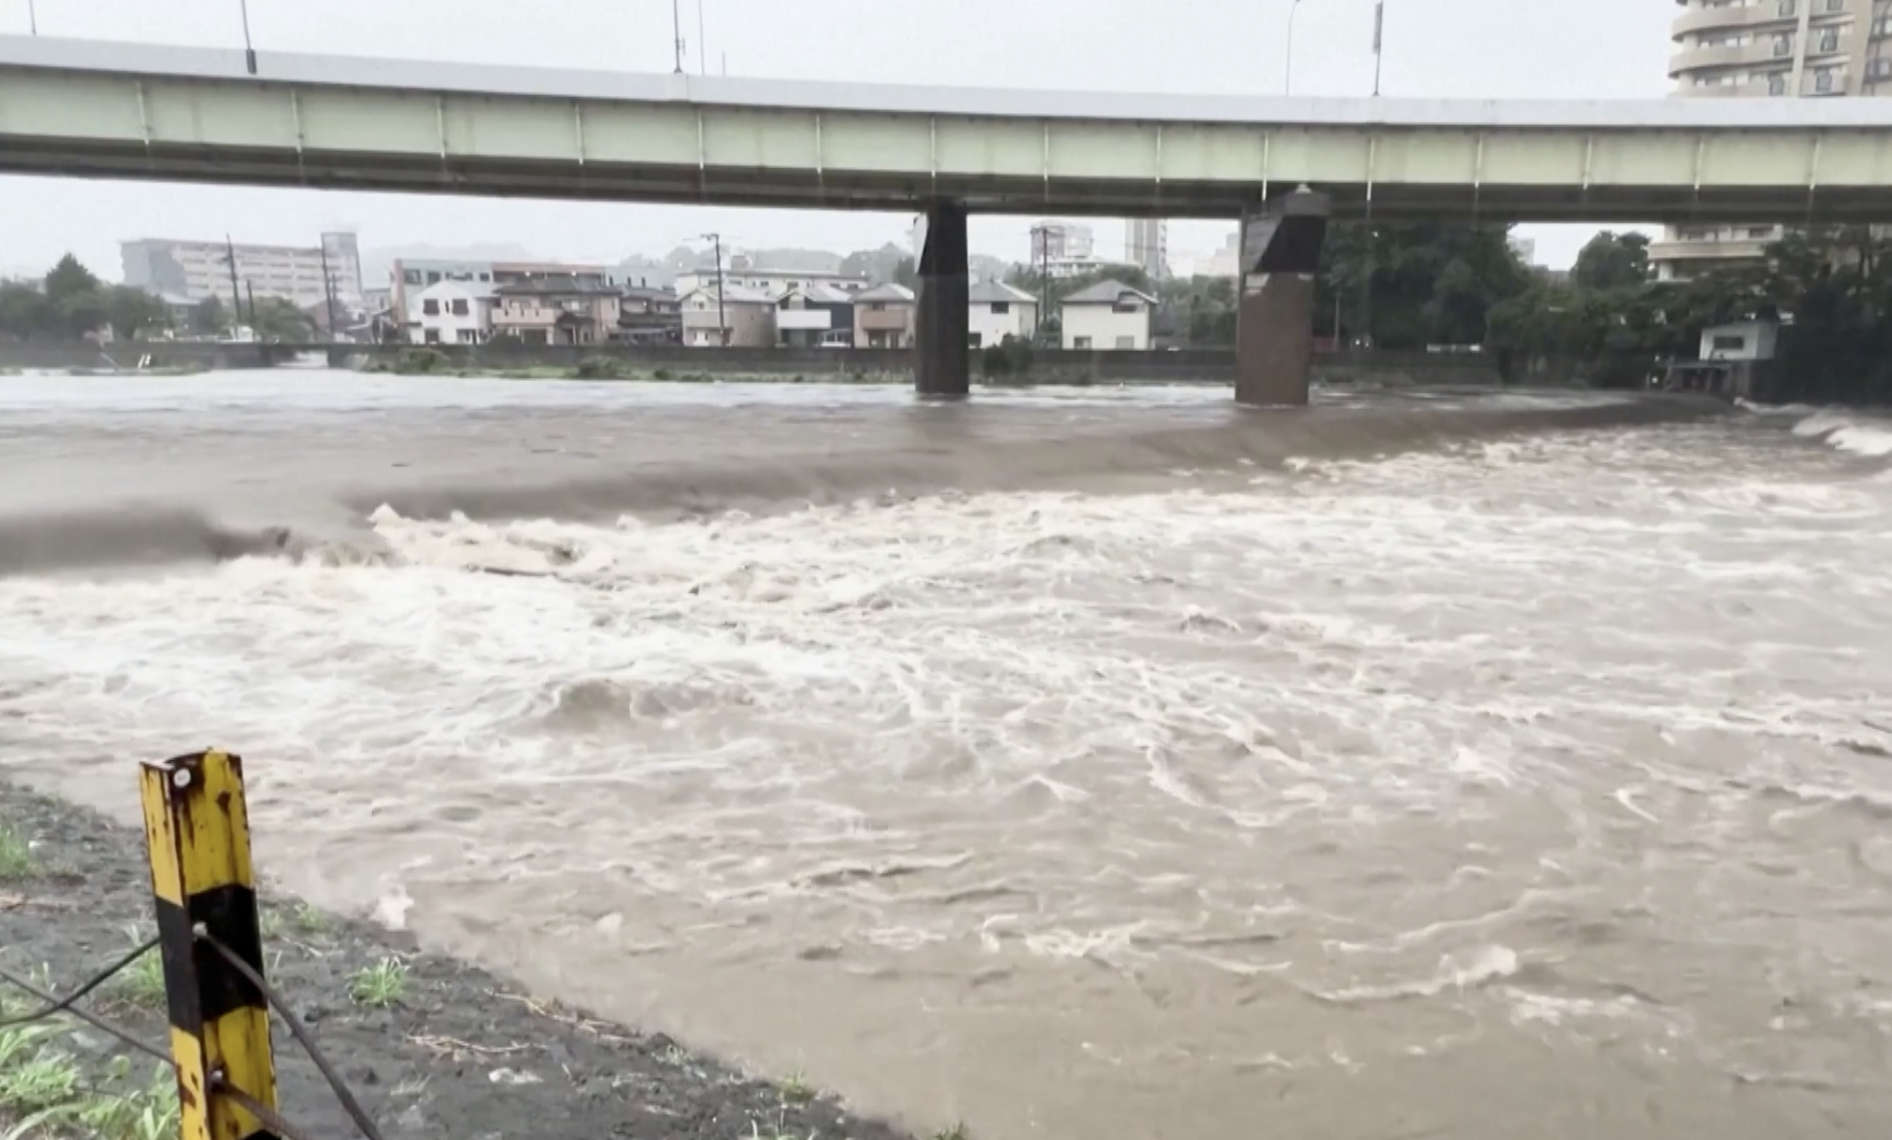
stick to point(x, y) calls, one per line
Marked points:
point(1274, 341)
point(941, 367)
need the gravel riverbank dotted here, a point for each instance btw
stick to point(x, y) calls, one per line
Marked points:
point(432, 1047)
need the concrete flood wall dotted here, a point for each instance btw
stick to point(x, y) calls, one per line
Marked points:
point(1051, 366)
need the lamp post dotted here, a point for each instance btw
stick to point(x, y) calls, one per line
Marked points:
point(1287, 83)
point(32, 18)
point(249, 50)
point(676, 33)
point(1379, 39)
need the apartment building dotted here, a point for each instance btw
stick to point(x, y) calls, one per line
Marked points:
point(306, 275)
point(774, 282)
point(1146, 246)
point(454, 312)
point(1760, 49)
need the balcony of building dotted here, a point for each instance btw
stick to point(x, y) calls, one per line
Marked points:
point(1767, 15)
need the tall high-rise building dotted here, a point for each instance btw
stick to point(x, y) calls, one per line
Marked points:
point(201, 269)
point(1761, 48)
point(1146, 245)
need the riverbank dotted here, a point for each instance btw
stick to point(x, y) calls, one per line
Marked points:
point(431, 1046)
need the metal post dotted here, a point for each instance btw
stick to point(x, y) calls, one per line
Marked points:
point(250, 288)
point(197, 835)
point(1379, 40)
point(328, 294)
point(32, 18)
point(1287, 83)
point(676, 32)
point(249, 50)
point(702, 42)
point(236, 291)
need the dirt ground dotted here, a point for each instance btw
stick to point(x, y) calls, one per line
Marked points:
point(459, 1054)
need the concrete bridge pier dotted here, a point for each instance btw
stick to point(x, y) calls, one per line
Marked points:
point(942, 368)
point(1274, 340)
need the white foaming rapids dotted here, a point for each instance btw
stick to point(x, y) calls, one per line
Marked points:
point(1854, 432)
point(1477, 748)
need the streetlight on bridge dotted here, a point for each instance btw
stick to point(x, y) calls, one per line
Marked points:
point(1287, 82)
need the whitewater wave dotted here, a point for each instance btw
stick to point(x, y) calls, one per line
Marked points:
point(1856, 433)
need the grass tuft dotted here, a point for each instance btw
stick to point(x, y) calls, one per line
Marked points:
point(795, 1088)
point(310, 921)
point(16, 856)
point(956, 1131)
point(141, 984)
point(381, 985)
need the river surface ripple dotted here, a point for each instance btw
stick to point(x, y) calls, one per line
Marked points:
point(1411, 766)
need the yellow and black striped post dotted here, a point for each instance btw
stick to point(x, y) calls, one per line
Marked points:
point(197, 829)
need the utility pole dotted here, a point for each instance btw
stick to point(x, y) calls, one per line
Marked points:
point(702, 42)
point(32, 18)
point(236, 294)
point(1287, 82)
point(1379, 41)
point(249, 50)
point(250, 288)
point(328, 295)
point(676, 32)
point(722, 321)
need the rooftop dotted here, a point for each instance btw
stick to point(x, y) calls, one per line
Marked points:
point(899, 294)
point(553, 286)
point(1107, 293)
point(998, 292)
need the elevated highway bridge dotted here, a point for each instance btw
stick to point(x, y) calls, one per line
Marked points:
point(1283, 165)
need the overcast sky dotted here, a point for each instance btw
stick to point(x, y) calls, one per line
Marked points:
point(1499, 49)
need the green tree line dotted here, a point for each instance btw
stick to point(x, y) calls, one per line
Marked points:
point(71, 303)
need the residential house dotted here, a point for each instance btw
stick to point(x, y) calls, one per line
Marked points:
point(563, 309)
point(649, 316)
point(408, 277)
point(454, 312)
point(1108, 315)
point(997, 311)
point(883, 317)
point(814, 316)
point(742, 318)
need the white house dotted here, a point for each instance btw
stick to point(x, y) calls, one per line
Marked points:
point(453, 312)
point(1744, 340)
point(1108, 315)
point(996, 311)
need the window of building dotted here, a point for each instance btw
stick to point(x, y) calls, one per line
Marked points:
point(1126, 342)
point(1729, 343)
point(1080, 342)
point(1760, 231)
point(1776, 84)
point(1789, 7)
point(973, 340)
point(410, 277)
point(877, 307)
point(1829, 39)
point(1000, 308)
point(430, 307)
point(1126, 307)
point(1823, 82)
point(1836, 5)
point(1879, 68)
point(1783, 44)
point(459, 306)
point(433, 278)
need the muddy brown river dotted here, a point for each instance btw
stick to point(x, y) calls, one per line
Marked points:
point(1076, 763)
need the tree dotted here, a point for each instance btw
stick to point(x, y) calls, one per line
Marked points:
point(132, 312)
point(1612, 261)
point(209, 318)
point(68, 278)
point(904, 273)
point(275, 318)
point(1410, 285)
point(25, 312)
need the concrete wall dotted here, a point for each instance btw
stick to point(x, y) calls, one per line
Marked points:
point(1050, 366)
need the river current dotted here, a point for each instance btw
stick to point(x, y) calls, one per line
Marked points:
point(1076, 763)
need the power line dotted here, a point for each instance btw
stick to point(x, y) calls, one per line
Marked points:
point(91, 1019)
point(64, 1005)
